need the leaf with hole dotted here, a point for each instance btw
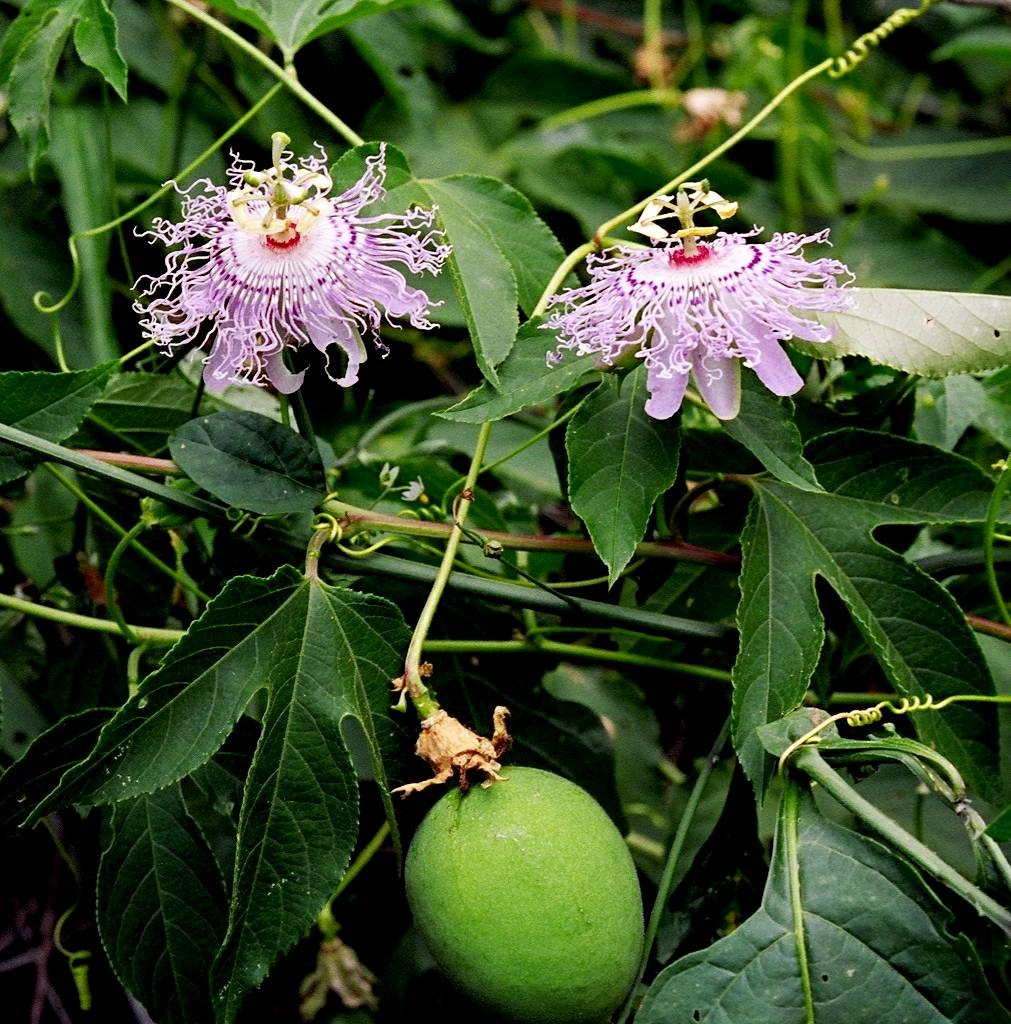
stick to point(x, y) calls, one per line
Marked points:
point(911, 623)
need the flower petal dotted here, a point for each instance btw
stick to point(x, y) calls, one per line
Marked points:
point(718, 379)
point(775, 370)
point(665, 394)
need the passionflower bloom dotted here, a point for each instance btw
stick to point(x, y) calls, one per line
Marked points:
point(274, 263)
point(696, 308)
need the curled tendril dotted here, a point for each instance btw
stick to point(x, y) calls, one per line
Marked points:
point(862, 717)
point(862, 46)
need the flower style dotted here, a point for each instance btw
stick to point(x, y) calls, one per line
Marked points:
point(687, 307)
point(275, 263)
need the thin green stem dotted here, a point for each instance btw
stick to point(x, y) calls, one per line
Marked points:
point(563, 271)
point(790, 815)
point(622, 218)
point(991, 276)
point(925, 151)
point(111, 566)
point(554, 424)
point(145, 634)
point(391, 419)
point(181, 579)
point(813, 764)
point(674, 858)
point(992, 513)
point(513, 595)
point(69, 457)
point(363, 858)
point(580, 652)
point(652, 40)
point(570, 28)
point(422, 699)
point(284, 75)
point(41, 297)
point(658, 96)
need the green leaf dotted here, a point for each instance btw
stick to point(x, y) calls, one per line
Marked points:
point(927, 333)
point(909, 621)
point(525, 378)
point(874, 939)
point(28, 58)
point(482, 275)
point(299, 817)
point(509, 222)
point(323, 655)
point(139, 411)
point(79, 159)
point(160, 906)
point(251, 462)
point(294, 23)
point(26, 782)
point(1000, 827)
point(97, 45)
point(503, 254)
point(765, 427)
point(49, 405)
point(993, 41)
point(30, 54)
point(620, 462)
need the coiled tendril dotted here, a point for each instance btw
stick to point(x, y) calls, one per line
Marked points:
point(863, 717)
point(863, 45)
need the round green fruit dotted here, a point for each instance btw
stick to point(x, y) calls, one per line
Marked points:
point(527, 897)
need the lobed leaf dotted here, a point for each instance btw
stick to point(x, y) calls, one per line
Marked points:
point(874, 940)
point(909, 621)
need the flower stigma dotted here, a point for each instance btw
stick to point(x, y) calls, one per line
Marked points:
point(276, 262)
point(700, 302)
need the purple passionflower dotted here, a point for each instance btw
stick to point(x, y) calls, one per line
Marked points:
point(700, 309)
point(274, 262)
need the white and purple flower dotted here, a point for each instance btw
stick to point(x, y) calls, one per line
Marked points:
point(274, 263)
point(701, 308)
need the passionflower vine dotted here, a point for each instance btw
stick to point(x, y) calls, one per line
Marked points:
point(694, 308)
point(274, 263)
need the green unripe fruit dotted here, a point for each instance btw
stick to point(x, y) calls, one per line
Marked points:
point(527, 897)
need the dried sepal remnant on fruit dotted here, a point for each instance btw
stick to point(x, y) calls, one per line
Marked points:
point(448, 746)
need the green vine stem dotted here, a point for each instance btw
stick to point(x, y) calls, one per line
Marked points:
point(285, 75)
point(791, 814)
point(179, 578)
point(813, 764)
point(354, 519)
point(577, 652)
point(132, 481)
point(659, 97)
point(111, 566)
point(423, 701)
point(673, 859)
point(145, 634)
